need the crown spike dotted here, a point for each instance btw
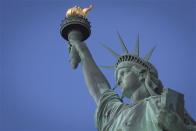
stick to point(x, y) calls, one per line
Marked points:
point(149, 54)
point(111, 51)
point(108, 67)
point(125, 50)
point(137, 46)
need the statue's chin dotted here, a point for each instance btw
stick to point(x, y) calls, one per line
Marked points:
point(128, 91)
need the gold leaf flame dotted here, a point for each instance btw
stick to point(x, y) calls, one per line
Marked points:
point(78, 11)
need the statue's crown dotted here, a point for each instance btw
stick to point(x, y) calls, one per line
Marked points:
point(78, 11)
point(133, 58)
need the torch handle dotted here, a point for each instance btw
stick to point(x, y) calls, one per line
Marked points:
point(76, 37)
point(74, 57)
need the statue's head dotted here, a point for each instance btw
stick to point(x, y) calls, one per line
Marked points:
point(132, 71)
point(131, 75)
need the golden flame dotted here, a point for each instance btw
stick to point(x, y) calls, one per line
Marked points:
point(78, 11)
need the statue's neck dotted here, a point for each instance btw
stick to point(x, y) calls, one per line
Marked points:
point(140, 94)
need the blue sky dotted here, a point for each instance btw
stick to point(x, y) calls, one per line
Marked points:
point(38, 89)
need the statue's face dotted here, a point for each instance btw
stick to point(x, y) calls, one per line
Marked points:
point(127, 80)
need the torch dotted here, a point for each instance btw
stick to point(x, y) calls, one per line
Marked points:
point(75, 28)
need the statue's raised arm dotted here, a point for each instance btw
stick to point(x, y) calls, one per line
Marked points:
point(76, 29)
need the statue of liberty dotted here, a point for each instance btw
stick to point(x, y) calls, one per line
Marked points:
point(153, 107)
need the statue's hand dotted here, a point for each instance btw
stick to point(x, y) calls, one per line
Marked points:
point(74, 56)
point(170, 121)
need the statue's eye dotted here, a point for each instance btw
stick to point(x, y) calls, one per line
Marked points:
point(122, 73)
point(119, 82)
